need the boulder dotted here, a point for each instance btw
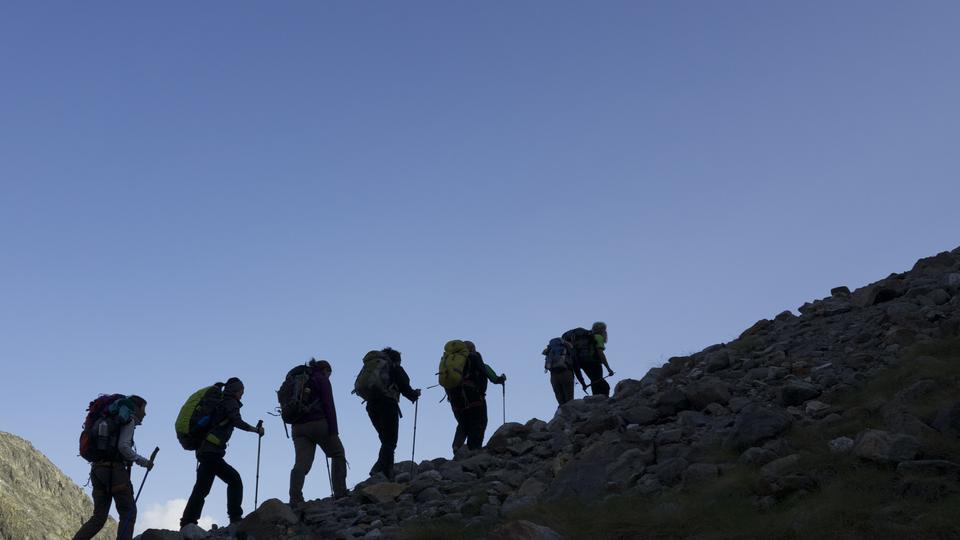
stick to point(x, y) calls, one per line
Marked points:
point(672, 401)
point(840, 445)
point(757, 456)
point(706, 391)
point(755, 424)
point(500, 440)
point(583, 479)
point(935, 468)
point(523, 530)
point(885, 447)
point(796, 392)
point(716, 361)
point(382, 493)
point(670, 472)
point(640, 415)
point(160, 534)
point(270, 520)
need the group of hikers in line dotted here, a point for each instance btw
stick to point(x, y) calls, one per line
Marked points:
point(208, 418)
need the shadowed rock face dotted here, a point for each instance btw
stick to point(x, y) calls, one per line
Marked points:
point(37, 501)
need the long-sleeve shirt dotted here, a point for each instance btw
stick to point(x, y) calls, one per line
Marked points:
point(125, 443)
point(400, 378)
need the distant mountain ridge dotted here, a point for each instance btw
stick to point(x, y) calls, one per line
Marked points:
point(38, 501)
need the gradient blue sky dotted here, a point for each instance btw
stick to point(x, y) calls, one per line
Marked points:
point(195, 191)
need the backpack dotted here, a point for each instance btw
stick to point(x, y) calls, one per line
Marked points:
point(559, 355)
point(584, 345)
point(374, 381)
point(297, 395)
point(101, 428)
point(198, 416)
point(453, 364)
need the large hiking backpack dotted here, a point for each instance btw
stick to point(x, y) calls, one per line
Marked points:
point(453, 364)
point(101, 428)
point(559, 355)
point(584, 345)
point(198, 416)
point(374, 380)
point(297, 395)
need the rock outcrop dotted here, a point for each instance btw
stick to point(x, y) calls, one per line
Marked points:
point(38, 501)
point(740, 406)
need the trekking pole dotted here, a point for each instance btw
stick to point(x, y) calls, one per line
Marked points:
point(329, 476)
point(256, 489)
point(504, 389)
point(153, 456)
point(413, 463)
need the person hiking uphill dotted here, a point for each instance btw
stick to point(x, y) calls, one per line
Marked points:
point(469, 400)
point(210, 457)
point(318, 427)
point(562, 364)
point(588, 350)
point(381, 382)
point(110, 473)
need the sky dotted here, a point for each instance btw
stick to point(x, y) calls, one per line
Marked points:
point(190, 192)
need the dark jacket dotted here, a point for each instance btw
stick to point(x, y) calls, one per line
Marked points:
point(320, 384)
point(227, 417)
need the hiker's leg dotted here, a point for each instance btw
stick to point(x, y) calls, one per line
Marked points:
point(101, 507)
point(126, 508)
point(595, 372)
point(374, 414)
point(562, 383)
point(333, 448)
point(391, 429)
point(304, 449)
point(460, 435)
point(476, 425)
point(206, 472)
point(568, 386)
point(234, 490)
point(601, 388)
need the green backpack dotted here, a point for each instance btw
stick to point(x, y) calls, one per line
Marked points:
point(196, 417)
point(453, 364)
point(374, 381)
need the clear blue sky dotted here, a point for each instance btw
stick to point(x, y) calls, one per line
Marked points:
point(196, 191)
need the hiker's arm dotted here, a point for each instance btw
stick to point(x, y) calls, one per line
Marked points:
point(326, 404)
point(492, 375)
point(603, 360)
point(601, 344)
point(403, 384)
point(125, 445)
point(232, 413)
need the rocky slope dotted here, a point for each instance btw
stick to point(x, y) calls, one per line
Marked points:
point(839, 422)
point(37, 501)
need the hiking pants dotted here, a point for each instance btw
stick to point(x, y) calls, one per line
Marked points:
point(594, 372)
point(306, 438)
point(562, 383)
point(213, 466)
point(471, 426)
point(111, 483)
point(385, 416)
